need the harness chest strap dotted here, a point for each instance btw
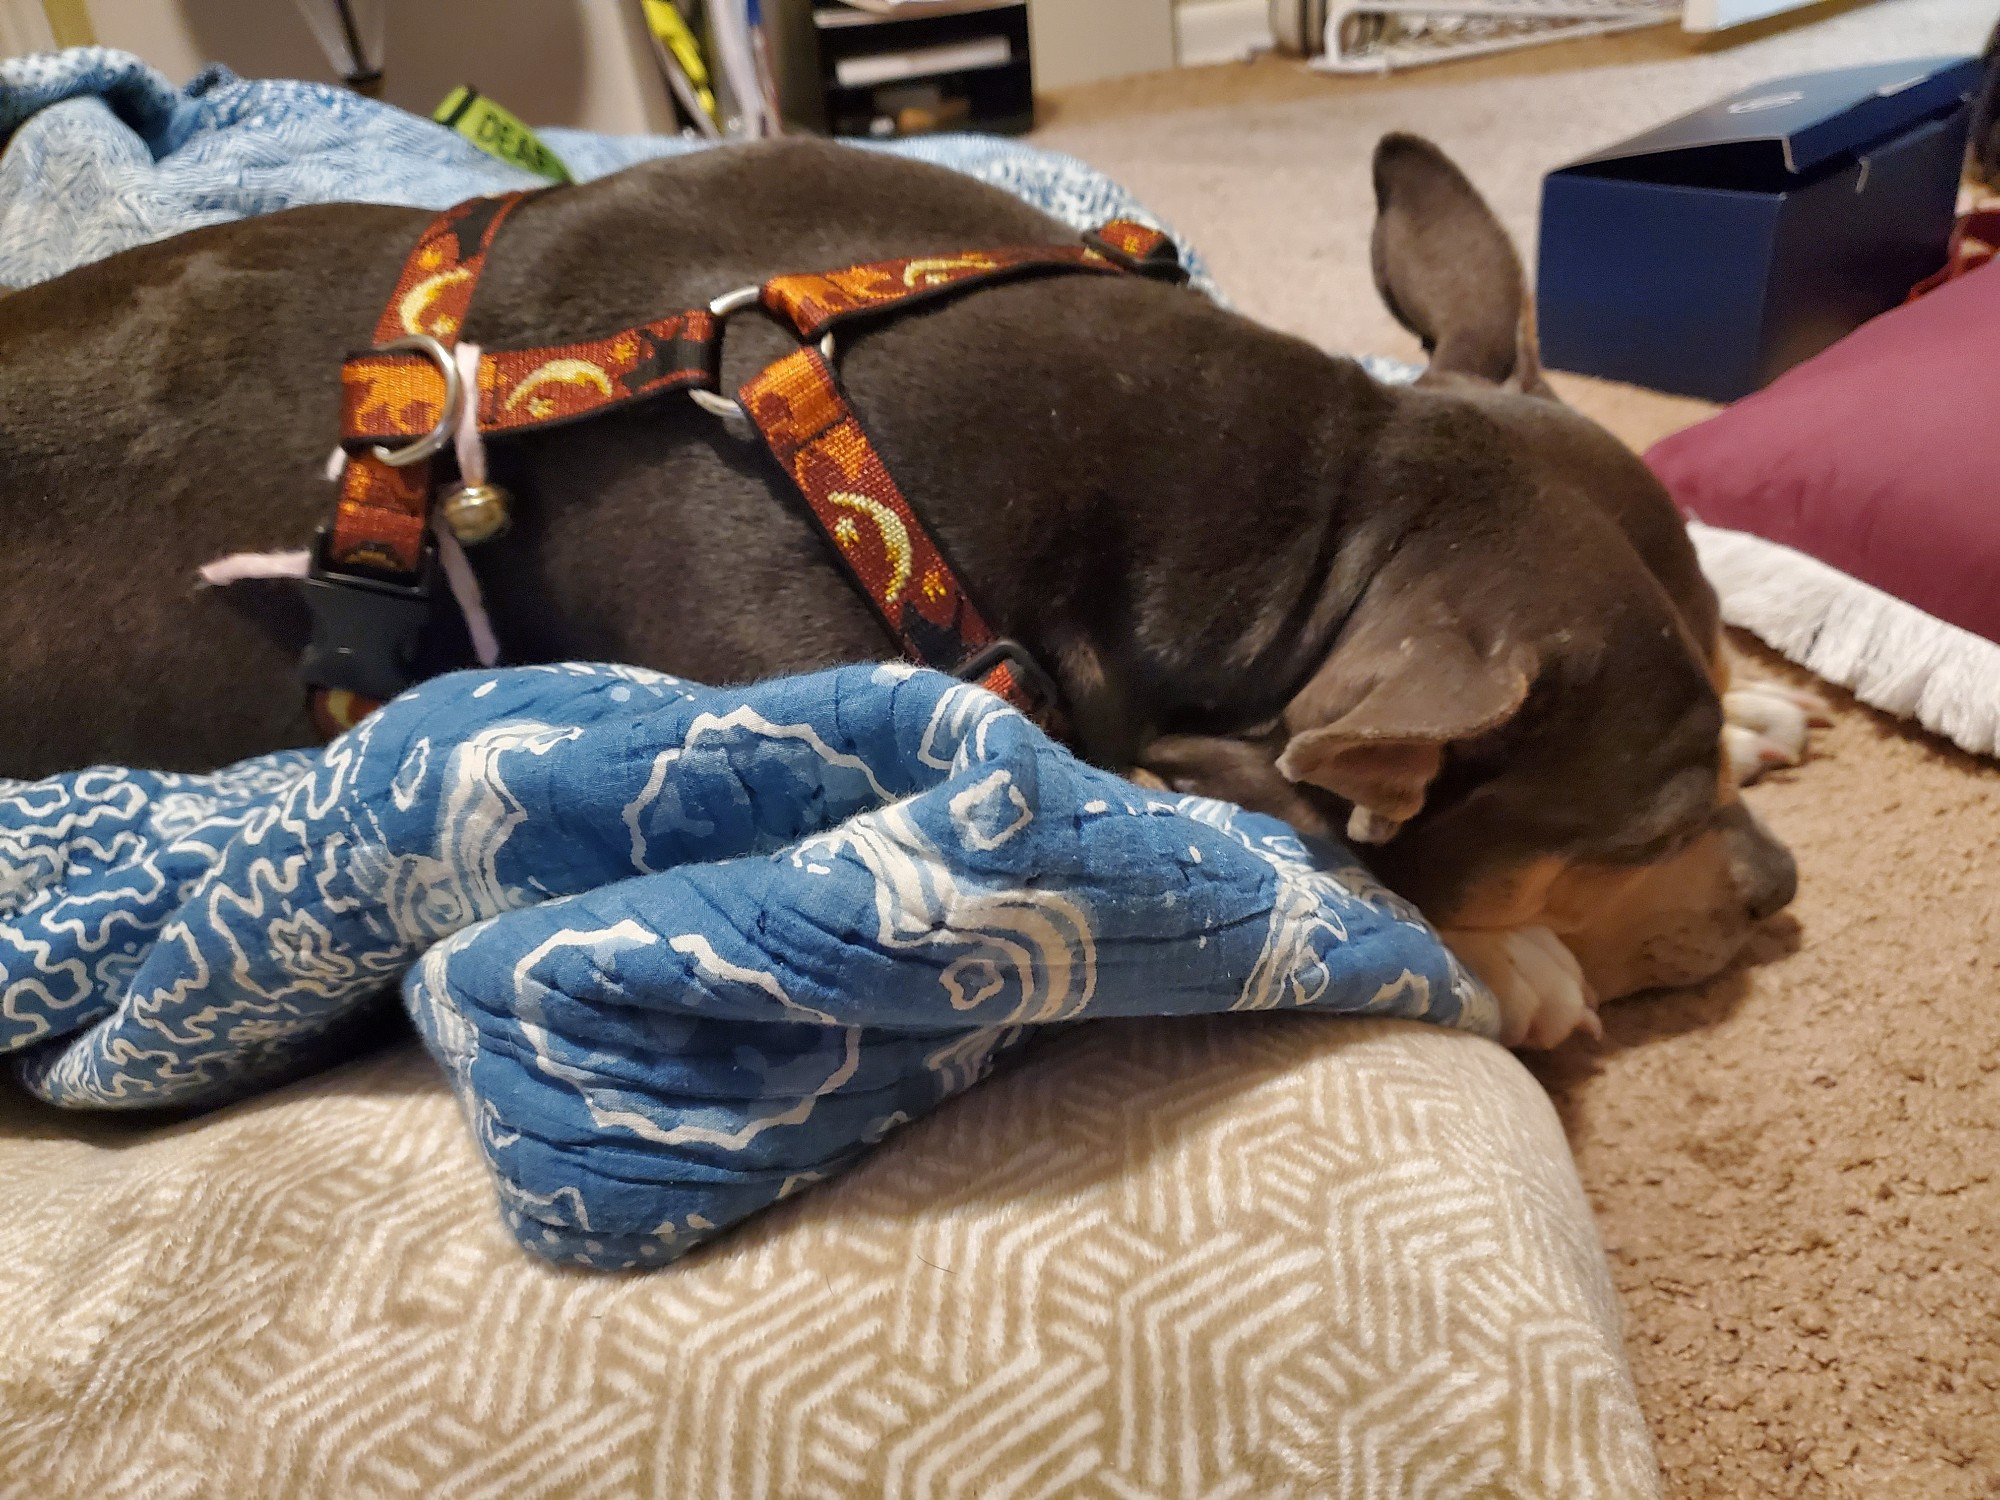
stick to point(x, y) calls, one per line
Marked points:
point(818, 441)
point(380, 520)
point(395, 398)
point(372, 568)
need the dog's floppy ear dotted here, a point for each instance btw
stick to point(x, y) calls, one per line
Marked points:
point(1447, 270)
point(1373, 724)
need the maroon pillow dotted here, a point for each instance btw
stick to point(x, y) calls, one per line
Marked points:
point(1881, 458)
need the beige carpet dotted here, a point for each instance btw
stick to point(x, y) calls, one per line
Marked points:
point(1794, 1168)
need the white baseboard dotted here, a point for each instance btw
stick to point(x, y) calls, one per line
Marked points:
point(1719, 15)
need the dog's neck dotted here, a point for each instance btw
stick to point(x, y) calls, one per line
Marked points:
point(1195, 528)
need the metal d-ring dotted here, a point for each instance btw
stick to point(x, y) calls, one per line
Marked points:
point(714, 402)
point(454, 391)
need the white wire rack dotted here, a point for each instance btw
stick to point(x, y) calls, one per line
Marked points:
point(1379, 36)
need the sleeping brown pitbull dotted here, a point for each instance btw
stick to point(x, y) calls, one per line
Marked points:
point(1455, 620)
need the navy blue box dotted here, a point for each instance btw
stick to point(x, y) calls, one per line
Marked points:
point(1712, 254)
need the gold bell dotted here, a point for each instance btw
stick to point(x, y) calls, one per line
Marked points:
point(477, 512)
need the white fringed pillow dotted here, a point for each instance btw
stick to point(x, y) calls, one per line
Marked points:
point(1848, 516)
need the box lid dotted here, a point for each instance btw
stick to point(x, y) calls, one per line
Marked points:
point(1794, 124)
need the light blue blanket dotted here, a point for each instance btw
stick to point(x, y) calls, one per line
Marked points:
point(680, 950)
point(102, 154)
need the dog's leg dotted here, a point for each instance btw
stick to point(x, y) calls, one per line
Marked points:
point(1768, 725)
point(1544, 998)
point(1241, 771)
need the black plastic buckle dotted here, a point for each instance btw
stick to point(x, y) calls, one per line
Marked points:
point(366, 630)
point(1162, 262)
point(1027, 672)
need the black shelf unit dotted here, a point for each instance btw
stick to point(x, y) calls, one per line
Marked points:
point(996, 97)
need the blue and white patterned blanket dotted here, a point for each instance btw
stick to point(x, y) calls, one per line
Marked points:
point(680, 950)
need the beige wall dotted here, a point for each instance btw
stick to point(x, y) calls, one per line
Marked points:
point(1076, 41)
point(23, 27)
point(554, 62)
point(557, 62)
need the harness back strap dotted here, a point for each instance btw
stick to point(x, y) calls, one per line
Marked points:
point(816, 304)
point(387, 396)
point(392, 397)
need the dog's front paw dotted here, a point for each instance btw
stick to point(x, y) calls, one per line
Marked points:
point(1767, 725)
point(1544, 998)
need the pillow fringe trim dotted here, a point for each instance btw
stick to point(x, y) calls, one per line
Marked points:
point(1890, 654)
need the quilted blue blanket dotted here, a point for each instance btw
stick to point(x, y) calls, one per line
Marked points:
point(680, 951)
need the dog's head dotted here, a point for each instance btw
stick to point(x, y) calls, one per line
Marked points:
point(1520, 707)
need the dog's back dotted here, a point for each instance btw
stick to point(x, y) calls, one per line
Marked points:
point(179, 401)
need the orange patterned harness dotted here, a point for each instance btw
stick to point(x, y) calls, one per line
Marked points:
point(373, 567)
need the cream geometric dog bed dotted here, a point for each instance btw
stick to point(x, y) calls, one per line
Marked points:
point(1247, 1256)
